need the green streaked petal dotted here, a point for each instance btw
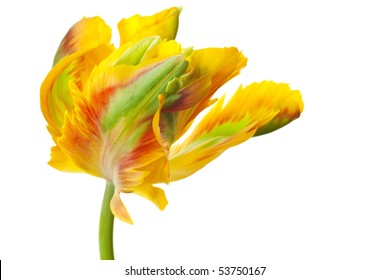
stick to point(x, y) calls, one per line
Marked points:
point(135, 54)
point(139, 97)
point(226, 129)
point(56, 98)
point(287, 101)
point(209, 69)
point(249, 109)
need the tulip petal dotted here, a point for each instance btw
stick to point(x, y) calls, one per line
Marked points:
point(135, 54)
point(222, 64)
point(288, 101)
point(55, 93)
point(81, 138)
point(189, 96)
point(163, 24)
point(119, 210)
point(153, 194)
point(84, 46)
point(61, 162)
point(139, 96)
point(165, 49)
point(158, 171)
point(210, 69)
point(86, 34)
point(110, 133)
point(250, 109)
point(128, 54)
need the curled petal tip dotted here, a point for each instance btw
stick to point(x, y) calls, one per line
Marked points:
point(153, 194)
point(163, 24)
point(87, 33)
point(287, 101)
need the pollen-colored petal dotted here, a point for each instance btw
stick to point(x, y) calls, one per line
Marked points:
point(86, 34)
point(119, 210)
point(158, 171)
point(153, 194)
point(128, 54)
point(163, 24)
point(81, 138)
point(189, 96)
point(289, 102)
point(139, 95)
point(221, 64)
point(211, 137)
point(83, 47)
point(250, 109)
point(209, 69)
point(61, 162)
point(165, 49)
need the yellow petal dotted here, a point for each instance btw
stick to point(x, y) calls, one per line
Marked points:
point(163, 24)
point(223, 127)
point(163, 50)
point(119, 210)
point(55, 93)
point(209, 69)
point(288, 102)
point(61, 162)
point(86, 34)
point(83, 47)
point(210, 138)
point(81, 139)
point(153, 194)
point(221, 64)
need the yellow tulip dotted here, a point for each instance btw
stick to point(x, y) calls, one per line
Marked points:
point(118, 113)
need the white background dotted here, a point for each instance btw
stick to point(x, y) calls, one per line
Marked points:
point(310, 201)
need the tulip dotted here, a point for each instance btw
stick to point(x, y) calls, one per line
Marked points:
point(118, 113)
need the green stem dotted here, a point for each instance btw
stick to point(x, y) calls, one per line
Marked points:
point(106, 226)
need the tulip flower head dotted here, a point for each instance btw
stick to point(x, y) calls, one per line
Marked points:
point(118, 113)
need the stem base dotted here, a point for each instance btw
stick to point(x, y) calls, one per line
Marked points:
point(106, 225)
